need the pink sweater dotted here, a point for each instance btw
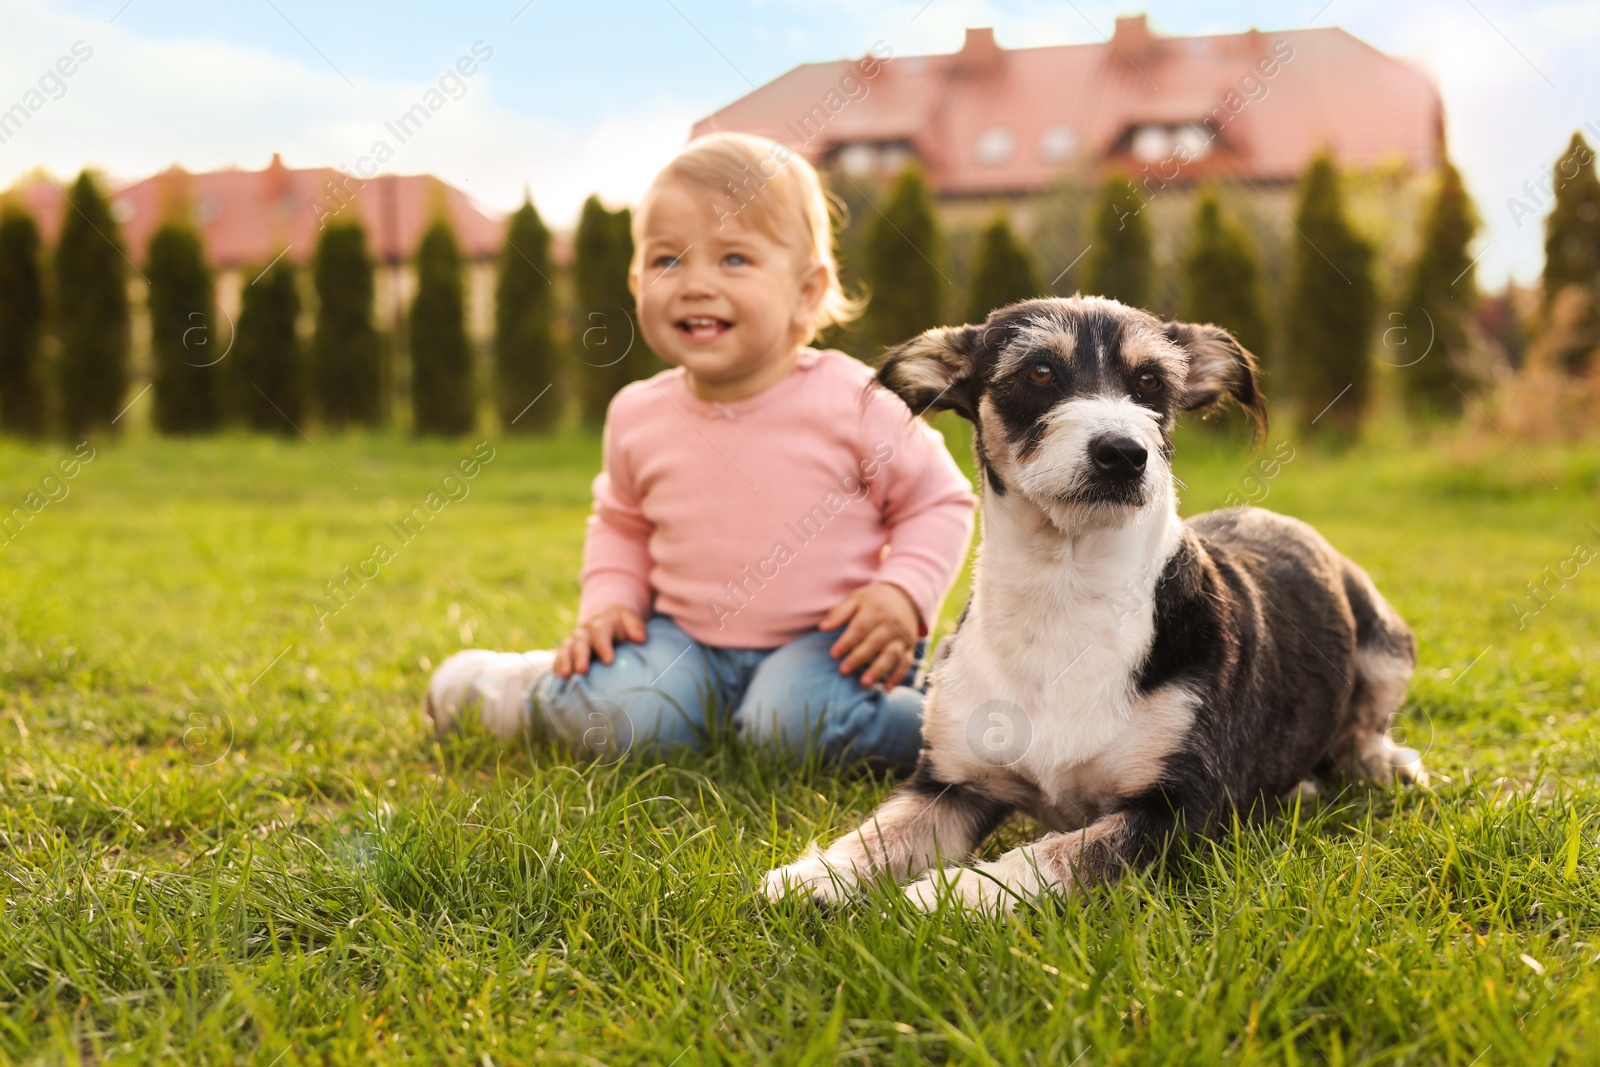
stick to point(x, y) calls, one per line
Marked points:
point(746, 522)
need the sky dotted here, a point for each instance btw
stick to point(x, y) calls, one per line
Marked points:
point(572, 97)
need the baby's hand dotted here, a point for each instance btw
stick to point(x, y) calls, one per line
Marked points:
point(882, 633)
point(597, 633)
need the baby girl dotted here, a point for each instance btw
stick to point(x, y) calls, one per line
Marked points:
point(772, 536)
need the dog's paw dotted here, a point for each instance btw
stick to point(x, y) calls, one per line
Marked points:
point(1406, 766)
point(966, 888)
point(1382, 762)
point(810, 878)
point(1306, 791)
point(1394, 764)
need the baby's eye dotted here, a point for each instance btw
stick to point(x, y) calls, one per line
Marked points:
point(735, 259)
point(663, 262)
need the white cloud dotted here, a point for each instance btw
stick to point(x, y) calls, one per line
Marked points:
point(1569, 21)
point(138, 105)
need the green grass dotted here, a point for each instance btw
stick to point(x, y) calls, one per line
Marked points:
point(225, 834)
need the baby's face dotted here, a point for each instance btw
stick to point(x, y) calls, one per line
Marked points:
point(725, 302)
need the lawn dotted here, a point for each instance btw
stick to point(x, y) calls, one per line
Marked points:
point(226, 835)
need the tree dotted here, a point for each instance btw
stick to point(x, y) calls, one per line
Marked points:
point(268, 383)
point(184, 347)
point(22, 388)
point(1004, 273)
point(1440, 296)
point(1569, 339)
point(443, 400)
point(1119, 262)
point(346, 357)
point(1331, 305)
point(1221, 282)
point(607, 347)
point(903, 247)
point(524, 335)
point(1572, 229)
point(91, 312)
point(641, 361)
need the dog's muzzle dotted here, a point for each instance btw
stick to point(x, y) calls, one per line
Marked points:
point(1115, 473)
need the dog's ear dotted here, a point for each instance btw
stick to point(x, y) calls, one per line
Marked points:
point(1220, 368)
point(934, 370)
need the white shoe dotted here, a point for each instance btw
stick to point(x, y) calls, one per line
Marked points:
point(498, 683)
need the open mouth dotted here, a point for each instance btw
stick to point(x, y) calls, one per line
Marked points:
point(703, 328)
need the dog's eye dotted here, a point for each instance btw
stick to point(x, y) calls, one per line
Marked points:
point(1149, 382)
point(1041, 374)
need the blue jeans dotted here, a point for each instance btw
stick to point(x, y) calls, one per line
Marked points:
point(671, 690)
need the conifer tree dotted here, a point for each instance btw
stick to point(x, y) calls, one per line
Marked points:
point(641, 360)
point(443, 396)
point(346, 358)
point(1119, 263)
point(524, 335)
point(267, 378)
point(851, 209)
point(1440, 296)
point(900, 261)
point(185, 344)
point(1572, 229)
point(1331, 306)
point(608, 349)
point(1221, 282)
point(22, 384)
point(1004, 272)
point(91, 312)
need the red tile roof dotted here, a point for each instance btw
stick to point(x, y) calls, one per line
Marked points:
point(248, 217)
point(1038, 112)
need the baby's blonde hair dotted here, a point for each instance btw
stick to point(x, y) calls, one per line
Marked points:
point(771, 187)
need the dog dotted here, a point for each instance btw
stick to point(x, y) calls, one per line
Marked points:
point(1119, 674)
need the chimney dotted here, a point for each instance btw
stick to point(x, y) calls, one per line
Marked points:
point(172, 187)
point(1132, 36)
point(979, 52)
point(277, 180)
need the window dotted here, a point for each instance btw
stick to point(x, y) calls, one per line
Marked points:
point(893, 158)
point(1151, 144)
point(1196, 138)
point(1058, 143)
point(1155, 144)
point(995, 145)
point(857, 160)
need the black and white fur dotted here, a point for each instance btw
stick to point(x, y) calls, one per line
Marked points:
point(1144, 674)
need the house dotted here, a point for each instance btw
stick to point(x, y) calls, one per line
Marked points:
point(249, 218)
point(991, 122)
point(1031, 129)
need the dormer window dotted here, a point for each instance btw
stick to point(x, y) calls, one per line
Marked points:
point(1195, 137)
point(1154, 142)
point(858, 160)
point(1151, 144)
point(995, 145)
point(893, 157)
point(1058, 143)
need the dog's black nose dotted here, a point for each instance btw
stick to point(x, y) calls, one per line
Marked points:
point(1118, 455)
